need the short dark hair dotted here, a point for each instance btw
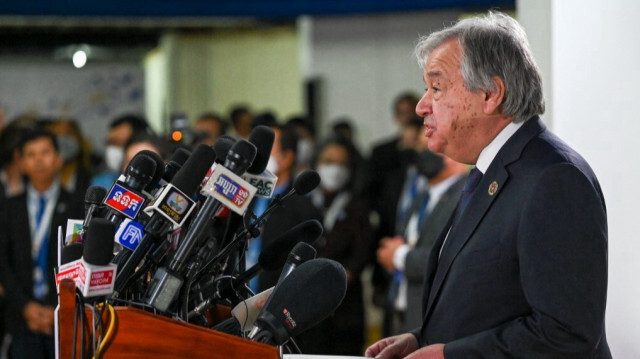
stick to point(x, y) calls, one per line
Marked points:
point(410, 97)
point(137, 123)
point(10, 141)
point(236, 112)
point(34, 134)
point(288, 139)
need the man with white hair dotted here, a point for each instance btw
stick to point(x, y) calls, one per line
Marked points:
point(520, 271)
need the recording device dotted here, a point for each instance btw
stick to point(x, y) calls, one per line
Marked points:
point(303, 299)
point(244, 314)
point(92, 273)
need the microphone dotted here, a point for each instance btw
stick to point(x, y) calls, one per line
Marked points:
point(93, 198)
point(176, 162)
point(172, 206)
point(273, 257)
point(125, 198)
point(301, 253)
point(157, 175)
point(223, 145)
point(71, 252)
point(258, 175)
point(93, 274)
point(224, 187)
point(306, 182)
point(311, 293)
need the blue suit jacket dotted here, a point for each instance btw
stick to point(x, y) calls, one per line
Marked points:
point(524, 273)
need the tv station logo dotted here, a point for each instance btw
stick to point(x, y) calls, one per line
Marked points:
point(130, 234)
point(174, 205)
point(124, 201)
point(232, 191)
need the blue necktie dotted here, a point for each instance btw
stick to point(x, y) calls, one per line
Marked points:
point(40, 270)
point(469, 187)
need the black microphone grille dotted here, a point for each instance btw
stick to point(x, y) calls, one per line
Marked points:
point(159, 172)
point(262, 137)
point(311, 293)
point(222, 146)
point(98, 242)
point(180, 156)
point(141, 167)
point(303, 251)
point(243, 151)
point(71, 252)
point(95, 195)
point(193, 171)
point(306, 182)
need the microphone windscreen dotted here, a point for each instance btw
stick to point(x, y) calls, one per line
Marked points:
point(303, 252)
point(71, 252)
point(180, 156)
point(191, 174)
point(311, 293)
point(159, 172)
point(141, 169)
point(306, 182)
point(98, 242)
point(94, 195)
point(262, 137)
point(222, 146)
point(275, 254)
point(240, 156)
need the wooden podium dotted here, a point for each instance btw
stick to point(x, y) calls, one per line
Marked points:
point(140, 334)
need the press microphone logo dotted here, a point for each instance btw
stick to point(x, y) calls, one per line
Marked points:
point(124, 201)
point(289, 319)
point(231, 190)
point(178, 203)
point(130, 234)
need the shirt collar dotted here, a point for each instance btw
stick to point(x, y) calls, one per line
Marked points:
point(489, 153)
point(49, 194)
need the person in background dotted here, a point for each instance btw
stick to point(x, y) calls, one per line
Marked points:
point(207, 128)
point(343, 127)
point(145, 141)
point(11, 176)
point(120, 131)
point(306, 141)
point(521, 269)
point(240, 117)
point(404, 254)
point(347, 238)
point(28, 249)
point(387, 165)
point(295, 210)
point(75, 151)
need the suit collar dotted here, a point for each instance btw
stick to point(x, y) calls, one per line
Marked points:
point(495, 178)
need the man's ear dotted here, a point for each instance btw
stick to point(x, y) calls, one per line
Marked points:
point(493, 99)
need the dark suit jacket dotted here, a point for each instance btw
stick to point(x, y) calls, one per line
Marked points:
point(16, 263)
point(416, 260)
point(524, 273)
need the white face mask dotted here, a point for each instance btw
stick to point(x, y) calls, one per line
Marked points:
point(333, 177)
point(113, 156)
point(272, 165)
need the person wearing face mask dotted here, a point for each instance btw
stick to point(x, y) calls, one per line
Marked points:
point(75, 151)
point(120, 131)
point(347, 239)
point(404, 255)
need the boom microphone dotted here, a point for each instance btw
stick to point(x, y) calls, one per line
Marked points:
point(311, 293)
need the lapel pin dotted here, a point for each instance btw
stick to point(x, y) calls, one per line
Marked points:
point(493, 188)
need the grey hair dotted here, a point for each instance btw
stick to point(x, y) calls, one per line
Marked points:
point(494, 45)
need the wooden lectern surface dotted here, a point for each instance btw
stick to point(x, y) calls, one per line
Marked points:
point(140, 334)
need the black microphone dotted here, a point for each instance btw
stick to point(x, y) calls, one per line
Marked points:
point(262, 137)
point(171, 208)
point(167, 282)
point(222, 146)
point(306, 182)
point(71, 252)
point(178, 159)
point(157, 175)
point(93, 202)
point(301, 253)
point(273, 257)
point(311, 293)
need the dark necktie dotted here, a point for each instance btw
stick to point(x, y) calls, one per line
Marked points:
point(469, 187)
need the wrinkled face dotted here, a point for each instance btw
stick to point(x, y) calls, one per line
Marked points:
point(453, 116)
